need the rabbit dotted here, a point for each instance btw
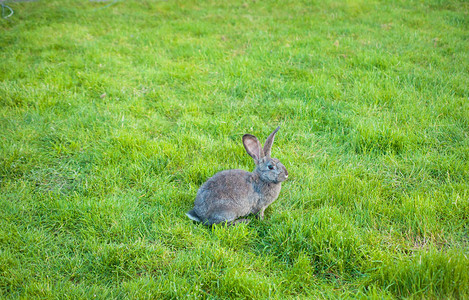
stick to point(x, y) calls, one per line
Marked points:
point(231, 194)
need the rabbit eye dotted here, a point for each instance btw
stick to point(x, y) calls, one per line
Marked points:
point(271, 167)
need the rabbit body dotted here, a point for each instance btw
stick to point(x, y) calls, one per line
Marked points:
point(231, 194)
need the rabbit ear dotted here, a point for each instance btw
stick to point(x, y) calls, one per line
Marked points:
point(269, 142)
point(253, 147)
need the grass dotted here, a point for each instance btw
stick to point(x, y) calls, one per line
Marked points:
point(111, 117)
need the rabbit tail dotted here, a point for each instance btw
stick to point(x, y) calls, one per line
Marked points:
point(191, 214)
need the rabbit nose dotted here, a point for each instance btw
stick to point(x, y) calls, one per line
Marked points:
point(286, 172)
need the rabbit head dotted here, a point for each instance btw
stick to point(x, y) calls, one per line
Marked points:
point(269, 169)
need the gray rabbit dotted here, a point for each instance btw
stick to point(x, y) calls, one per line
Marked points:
point(231, 194)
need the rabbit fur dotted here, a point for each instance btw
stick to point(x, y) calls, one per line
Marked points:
point(231, 194)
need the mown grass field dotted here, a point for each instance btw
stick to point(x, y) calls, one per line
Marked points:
point(113, 114)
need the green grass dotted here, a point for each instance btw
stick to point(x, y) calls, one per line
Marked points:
point(112, 117)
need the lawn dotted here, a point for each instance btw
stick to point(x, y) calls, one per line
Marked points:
point(112, 114)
